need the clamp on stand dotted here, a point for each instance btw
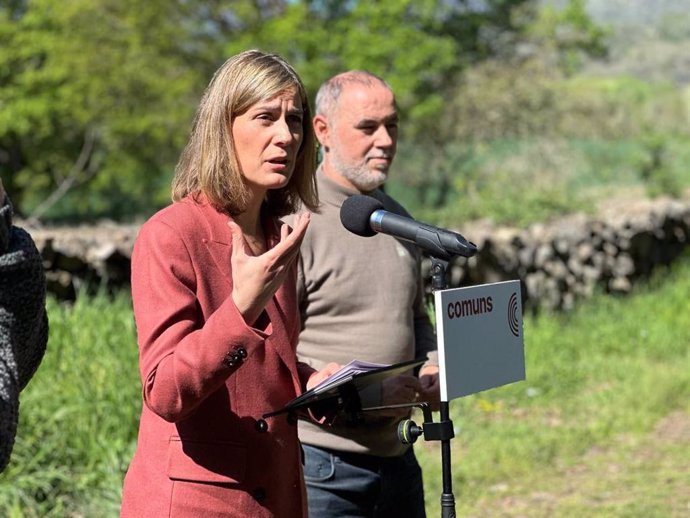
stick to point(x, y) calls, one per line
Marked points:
point(409, 432)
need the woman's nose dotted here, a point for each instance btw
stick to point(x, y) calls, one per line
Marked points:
point(284, 133)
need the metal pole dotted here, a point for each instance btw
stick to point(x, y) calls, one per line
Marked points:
point(447, 498)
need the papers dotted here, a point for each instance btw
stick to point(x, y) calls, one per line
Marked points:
point(346, 382)
point(347, 372)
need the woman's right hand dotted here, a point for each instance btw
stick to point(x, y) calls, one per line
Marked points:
point(256, 279)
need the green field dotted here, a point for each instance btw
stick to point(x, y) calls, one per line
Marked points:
point(600, 428)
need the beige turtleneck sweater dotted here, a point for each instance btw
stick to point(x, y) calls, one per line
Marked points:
point(360, 298)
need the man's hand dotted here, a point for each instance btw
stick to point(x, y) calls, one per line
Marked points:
point(396, 391)
point(429, 390)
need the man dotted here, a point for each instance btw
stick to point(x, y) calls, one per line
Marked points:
point(361, 298)
point(23, 320)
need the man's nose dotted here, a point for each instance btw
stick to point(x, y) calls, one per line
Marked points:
point(384, 138)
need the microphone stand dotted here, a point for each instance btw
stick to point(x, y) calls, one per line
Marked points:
point(445, 425)
point(408, 431)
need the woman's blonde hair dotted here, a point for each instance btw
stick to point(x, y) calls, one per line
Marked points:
point(209, 162)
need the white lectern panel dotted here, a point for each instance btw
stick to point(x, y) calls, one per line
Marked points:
point(480, 340)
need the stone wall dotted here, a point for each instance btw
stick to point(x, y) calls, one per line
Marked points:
point(568, 259)
point(557, 262)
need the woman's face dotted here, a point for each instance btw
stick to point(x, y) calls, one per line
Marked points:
point(267, 138)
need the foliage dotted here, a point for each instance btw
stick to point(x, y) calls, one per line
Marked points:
point(530, 143)
point(98, 95)
point(98, 98)
point(569, 34)
point(93, 94)
point(516, 93)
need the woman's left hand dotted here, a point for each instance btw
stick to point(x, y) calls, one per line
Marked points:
point(321, 375)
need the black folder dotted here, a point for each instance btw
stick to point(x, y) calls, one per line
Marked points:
point(339, 387)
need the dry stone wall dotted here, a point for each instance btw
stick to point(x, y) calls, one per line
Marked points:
point(557, 262)
point(568, 259)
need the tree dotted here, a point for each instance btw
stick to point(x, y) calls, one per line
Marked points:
point(98, 95)
point(418, 46)
point(94, 93)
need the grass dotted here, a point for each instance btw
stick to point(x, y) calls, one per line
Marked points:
point(587, 434)
point(78, 415)
point(600, 378)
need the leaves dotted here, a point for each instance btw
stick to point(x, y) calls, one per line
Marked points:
point(121, 79)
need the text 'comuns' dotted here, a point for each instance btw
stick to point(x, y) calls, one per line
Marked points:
point(470, 307)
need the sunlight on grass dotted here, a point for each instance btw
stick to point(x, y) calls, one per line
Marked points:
point(78, 415)
point(598, 381)
point(615, 366)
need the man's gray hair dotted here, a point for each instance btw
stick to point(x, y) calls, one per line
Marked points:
point(329, 92)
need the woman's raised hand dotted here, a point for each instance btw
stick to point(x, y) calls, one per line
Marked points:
point(256, 279)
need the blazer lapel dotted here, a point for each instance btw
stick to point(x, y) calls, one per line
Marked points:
point(219, 245)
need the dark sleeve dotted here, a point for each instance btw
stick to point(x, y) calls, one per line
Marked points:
point(424, 334)
point(5, 223)
point(23, 316)
point(23, 321)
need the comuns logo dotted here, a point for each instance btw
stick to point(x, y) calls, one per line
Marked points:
point(513, 317)
point(470, 307)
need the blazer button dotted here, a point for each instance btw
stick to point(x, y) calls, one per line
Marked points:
point(241, 351)
point(261, 426)
point(259, 494)
point(231, 359)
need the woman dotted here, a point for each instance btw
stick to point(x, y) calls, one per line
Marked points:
point(213, 287)
point(23, 320)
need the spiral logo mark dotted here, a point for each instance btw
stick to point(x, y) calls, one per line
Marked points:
point(513, 318)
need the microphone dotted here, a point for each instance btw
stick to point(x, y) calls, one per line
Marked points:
point(365, 216)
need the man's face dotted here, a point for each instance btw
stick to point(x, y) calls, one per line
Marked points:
point(362, 135)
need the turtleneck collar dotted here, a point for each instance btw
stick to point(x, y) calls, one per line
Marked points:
point(331, 192)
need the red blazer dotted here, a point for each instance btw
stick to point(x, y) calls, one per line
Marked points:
point(203, 450)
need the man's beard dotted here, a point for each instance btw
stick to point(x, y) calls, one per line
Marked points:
point(359, 174)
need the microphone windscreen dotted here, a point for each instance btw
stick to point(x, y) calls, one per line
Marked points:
point(355, 214)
